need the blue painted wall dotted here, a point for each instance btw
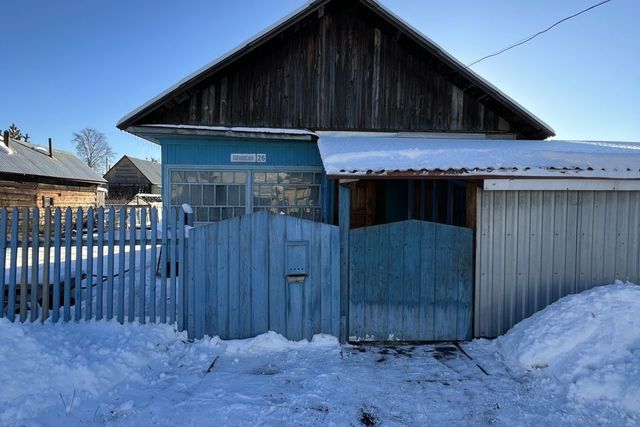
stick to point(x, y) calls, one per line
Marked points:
point(179, 151)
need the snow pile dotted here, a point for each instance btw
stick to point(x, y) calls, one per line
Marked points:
point(54, 368)
point(588, 342)
point(272, 341)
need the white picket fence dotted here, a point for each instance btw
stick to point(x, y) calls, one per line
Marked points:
point(68, 265)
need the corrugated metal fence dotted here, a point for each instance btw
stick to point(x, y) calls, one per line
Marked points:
point(66, 265)
point(533, 247)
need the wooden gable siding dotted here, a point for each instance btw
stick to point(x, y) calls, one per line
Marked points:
point(125, 173)
point(343, 68)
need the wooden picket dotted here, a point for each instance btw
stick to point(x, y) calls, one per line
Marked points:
point(53, 265)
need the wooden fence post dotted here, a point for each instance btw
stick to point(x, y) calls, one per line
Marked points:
point(344, 210)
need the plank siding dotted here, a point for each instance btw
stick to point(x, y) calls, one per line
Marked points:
point(557, 242)
point(347, 69)
point(250, 293)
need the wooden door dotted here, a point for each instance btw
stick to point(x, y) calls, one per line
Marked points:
point(363, 204)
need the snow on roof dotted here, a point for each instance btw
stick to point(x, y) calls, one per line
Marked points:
point(22, 158)
point(277, 131)
point(384, 155)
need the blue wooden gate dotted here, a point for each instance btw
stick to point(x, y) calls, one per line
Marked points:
point(410, 281)
point(263, 272)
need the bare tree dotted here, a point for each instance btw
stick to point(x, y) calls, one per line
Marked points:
point(92, 147)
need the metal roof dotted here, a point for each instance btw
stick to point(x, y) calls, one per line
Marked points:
point(388, 155)
point(22, 158)
point(152, 171)
point(458, 67)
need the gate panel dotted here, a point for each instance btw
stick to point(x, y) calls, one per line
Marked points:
point(239, 287)
point(410, 281)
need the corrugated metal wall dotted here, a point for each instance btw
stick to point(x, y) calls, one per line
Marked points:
point(533, 247)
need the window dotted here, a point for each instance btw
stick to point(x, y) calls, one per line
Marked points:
point(291, 193)
point(213, 195)
point(47, 201)
point(224, 194)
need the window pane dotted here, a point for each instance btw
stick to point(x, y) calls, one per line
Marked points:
point(240, 177)
point(215, 177)
point(238, 211)
point(259, 177)
point(227, 177)
point(208, 195)
point(196, 195)
point(318, 178)
point(227, 213)
point(191, 176)
point(307, 178)
point(233, 195)
point(221, 195)
point(203, 177)
point(272, 178)
point(214, 214)
point(177, 176)
point(243, 195)
point(202, 214)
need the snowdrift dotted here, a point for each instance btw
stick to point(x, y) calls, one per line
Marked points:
point(589, 342)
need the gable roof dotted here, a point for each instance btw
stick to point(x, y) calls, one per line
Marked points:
point(150, 170)
point(25, 159)
point(459, 72)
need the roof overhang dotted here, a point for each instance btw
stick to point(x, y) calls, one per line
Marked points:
point(408, 156)
point(156, 132)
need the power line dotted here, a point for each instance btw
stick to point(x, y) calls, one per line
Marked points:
point(521, 42)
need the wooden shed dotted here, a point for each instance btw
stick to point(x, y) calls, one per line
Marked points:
point(131, 176)
point(31, 175)
point(444, 189)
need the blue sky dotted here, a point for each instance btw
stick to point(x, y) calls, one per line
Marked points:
point(71, 64)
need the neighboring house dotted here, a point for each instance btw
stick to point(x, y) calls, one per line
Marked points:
point(343, 111)
point(32, 176)
point(131, 176)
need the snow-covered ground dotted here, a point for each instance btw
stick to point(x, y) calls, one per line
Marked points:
point(575, 363)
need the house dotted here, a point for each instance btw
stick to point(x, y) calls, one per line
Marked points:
point(457, 217)
point(35, 176)
point(131, 176)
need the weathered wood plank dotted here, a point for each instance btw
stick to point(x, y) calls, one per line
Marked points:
point(89, 288)
point(13, 266)
point(110, 261)
point(78, 272)
point(46, 263)
point(245, 263)
point(121, 264)
point(34, 280)
point(411, 296)
point(259, 273)
point(142, 291)
point(57, 238)
point(24, 265)
point(100, 279)
point(68, 226)
point(235, 310)
point(277, 280)
point(153, 303)
point(164, 249)
point(295, 291)
point(131, 284)
point(396, 280)
point(181, 283)
point(3, 256)
point(427, 268)
point(173, 261)
point(223, 303)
